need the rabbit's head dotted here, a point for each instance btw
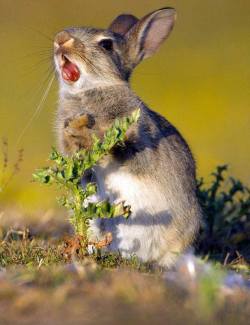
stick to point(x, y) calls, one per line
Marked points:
point(89, 57)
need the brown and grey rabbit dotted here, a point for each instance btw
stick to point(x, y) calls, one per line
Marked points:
point(154, 172)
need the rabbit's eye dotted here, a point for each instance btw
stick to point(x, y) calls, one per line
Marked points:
point(107, 44)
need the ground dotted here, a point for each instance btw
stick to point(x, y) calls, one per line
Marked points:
point(40, 284)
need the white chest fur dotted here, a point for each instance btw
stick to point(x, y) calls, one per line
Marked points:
point(144, 232)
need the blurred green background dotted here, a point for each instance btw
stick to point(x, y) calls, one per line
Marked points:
point(199, 80)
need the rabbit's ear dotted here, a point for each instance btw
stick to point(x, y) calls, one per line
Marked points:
point(122, 24)
point(146, 36)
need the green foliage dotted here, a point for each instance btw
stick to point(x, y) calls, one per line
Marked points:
point(208, 291)
point(226, 228)
point(67, 173)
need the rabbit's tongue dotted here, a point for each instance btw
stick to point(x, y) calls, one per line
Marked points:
point(70, 71)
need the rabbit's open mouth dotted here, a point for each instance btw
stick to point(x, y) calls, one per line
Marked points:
point(69, 70)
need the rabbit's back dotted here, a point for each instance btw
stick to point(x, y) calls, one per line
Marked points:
point(154, 173)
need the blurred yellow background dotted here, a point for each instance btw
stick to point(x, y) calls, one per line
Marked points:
point(199, 80)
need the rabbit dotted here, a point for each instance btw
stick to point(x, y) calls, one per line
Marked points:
point(154, 171)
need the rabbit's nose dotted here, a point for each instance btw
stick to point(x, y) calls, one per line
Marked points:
point(63, 39)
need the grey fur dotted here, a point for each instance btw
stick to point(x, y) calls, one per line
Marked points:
point(154, 153)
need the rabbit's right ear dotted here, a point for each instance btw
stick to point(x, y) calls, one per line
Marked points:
point(122, 24)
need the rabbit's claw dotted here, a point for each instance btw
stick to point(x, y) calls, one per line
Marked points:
point(77, 122)
point(77, 132)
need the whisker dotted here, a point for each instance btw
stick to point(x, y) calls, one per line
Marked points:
point(38, 91)
point(25, 57)
point(48, 73)
point(87, 61)
point(37, 110)
point(44, 53)
point(50, 38)
point(36, 66)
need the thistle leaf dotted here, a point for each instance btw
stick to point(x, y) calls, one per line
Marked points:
point(67, 173)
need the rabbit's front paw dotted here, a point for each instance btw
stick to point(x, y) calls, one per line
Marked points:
point(78, 133)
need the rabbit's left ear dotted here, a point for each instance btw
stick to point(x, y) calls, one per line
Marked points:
point(122, 24)
point(146, 36)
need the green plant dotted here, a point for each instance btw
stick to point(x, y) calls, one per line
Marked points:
point(67, 173)
point(226, 230)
